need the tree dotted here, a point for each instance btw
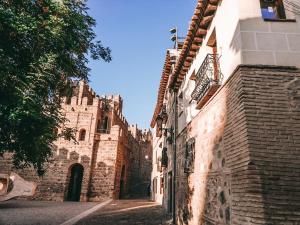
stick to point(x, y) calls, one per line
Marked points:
point(44, 44)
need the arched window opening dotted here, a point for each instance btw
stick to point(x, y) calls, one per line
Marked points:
point(56, 131)
point(105, 123)
point(82, 134)
point(105, 129)
point(68, 100)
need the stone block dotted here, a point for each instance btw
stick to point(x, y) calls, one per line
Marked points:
point(288, 59)
point(288, 27)
point(271, 41)
point(254, 24)
point(258, 57)
point(294, 41)
point(248, 40)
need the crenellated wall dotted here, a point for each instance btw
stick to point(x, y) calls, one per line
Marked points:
point(107, 152)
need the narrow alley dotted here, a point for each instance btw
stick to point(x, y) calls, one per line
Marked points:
point(130, 211)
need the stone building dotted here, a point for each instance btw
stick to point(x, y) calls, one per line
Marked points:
point(103, 162)
point(227, 120)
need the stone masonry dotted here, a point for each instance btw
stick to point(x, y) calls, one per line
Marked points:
point(107, 149)
point(247, 145)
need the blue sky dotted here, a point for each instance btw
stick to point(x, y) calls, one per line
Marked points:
point(137, 31)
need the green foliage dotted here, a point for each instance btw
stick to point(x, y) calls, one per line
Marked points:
point(43, 45)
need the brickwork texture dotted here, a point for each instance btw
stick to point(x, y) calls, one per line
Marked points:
point(247, 159)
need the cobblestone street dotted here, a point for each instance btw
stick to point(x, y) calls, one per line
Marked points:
point(128, 212)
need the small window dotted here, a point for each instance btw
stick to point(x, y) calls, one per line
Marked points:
point(82, 135)
point(155, 185)
point(272, 9)
point(68, 100)
point(56, 131)
point(189, 156)
point(104, 127)
point(164, 160)
point(159, 167)
point(161, 185)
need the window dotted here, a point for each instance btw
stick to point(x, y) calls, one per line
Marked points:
point(56, 131)
point(82, 135)
point(159, 167)
point(68, 100)
point(164, 160)
point(155, 185)
point(105, 123)
point(189, 156)
point(161, 185)
point(103, 127)
point(272, 9)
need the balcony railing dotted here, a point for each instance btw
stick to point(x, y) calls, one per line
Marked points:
point(208, 80)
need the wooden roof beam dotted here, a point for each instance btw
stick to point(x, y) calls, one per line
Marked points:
point(201, 32)
point(195, 47)
point(206, 20)
point(210, 9)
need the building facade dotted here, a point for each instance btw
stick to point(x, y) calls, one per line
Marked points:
point(102, 163)
point(228, 108)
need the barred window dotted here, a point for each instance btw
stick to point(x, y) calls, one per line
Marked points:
point(189, 156)
point(164, 160)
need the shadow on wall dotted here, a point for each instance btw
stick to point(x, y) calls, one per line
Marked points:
point(246, 135)
point(245, 138)
point(102, 182)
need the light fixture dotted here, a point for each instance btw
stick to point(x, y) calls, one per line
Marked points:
point(173, 30)
point(174, 37)
point(159, 121)
point(169, 138)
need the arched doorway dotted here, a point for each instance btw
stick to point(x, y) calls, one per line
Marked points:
point(75, 183)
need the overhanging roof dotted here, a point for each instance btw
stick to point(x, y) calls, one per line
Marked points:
point(203, 15)
point(162, 87)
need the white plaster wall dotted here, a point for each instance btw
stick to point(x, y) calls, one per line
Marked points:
point(243, 37)
point(157, 152)
point(268, 43)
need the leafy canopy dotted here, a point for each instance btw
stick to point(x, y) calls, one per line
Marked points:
point(44, 44)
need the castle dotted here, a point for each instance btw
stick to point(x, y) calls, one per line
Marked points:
point(109, 157)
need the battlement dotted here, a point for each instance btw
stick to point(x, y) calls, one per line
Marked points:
point(83, 98)
point(83, 95)
point(114, 101)
point(139, 134)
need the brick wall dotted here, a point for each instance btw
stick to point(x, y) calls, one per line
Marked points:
point(103, 154)
point(247, 159)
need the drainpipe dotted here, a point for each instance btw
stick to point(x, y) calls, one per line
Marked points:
point(174, 155)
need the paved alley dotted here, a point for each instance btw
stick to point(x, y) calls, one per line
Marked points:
point(18, 212)
point(140, 211)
